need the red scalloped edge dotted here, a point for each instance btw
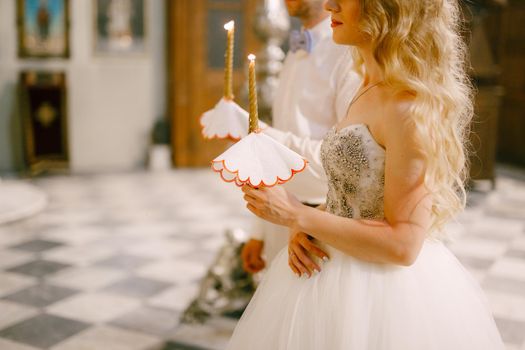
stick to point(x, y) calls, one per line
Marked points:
point(216, 136)
point(247, 181)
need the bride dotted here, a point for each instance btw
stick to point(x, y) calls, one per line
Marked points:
point(396, 171)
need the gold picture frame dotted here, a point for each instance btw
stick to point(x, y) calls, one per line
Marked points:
point(120, 27)
point(43, 28)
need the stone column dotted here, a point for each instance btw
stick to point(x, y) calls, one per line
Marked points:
point(271, 26)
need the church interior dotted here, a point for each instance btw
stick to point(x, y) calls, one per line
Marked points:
point(115, 233)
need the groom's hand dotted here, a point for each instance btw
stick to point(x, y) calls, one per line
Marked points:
point(251, 255)
point(301, 253)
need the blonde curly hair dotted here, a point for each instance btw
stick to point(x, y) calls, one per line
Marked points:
point(418, 45)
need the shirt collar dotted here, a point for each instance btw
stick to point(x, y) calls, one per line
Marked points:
point(320, 31)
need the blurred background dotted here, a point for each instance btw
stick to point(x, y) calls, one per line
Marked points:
point(114, 232)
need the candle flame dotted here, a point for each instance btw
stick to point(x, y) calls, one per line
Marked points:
point(230, 25)
point(251, 57)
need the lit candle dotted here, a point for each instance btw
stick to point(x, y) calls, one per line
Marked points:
point(228, 61)
point(252, 92)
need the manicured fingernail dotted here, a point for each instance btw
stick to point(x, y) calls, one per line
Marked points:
point(316, 271)
point(325, 258)
point(305, 275)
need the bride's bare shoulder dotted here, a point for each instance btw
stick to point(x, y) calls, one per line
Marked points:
point(398, 106)
point(398, 119)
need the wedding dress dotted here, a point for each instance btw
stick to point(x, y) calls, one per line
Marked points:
point(433, 304)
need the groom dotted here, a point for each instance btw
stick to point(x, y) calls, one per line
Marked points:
point(316, 84)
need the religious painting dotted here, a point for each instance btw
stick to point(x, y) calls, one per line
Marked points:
point(120, 27)
point(43, 28)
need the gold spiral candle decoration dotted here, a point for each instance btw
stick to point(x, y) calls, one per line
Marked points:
point(228, 61)
point(252, 93)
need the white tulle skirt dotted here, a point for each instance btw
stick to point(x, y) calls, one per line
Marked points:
point(352, 305)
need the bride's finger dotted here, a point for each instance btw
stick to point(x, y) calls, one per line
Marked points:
point(257, 193)
point(257, 205)
point(251, 199)
point(305, 260)
point(293, 268)
point(311, 248)
point(250, 190)
point(252, 209)
point(258, 212)
point(299, 265)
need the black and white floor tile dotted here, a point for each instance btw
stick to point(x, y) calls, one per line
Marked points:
point(114, 259)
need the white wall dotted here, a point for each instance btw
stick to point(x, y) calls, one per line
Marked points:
point(112, 102)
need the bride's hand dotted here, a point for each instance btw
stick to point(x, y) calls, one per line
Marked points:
point(301, 251)
point(273, 204)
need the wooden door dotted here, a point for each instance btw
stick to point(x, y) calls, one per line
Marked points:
point(511, 128)
point(196, 43)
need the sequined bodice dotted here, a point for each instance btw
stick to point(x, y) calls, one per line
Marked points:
point(355, 165)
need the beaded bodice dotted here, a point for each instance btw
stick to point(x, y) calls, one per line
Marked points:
point(355, 165)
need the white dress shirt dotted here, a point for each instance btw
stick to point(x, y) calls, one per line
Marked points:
point(313, 95)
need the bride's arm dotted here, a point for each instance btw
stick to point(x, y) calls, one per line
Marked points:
point(407, 207)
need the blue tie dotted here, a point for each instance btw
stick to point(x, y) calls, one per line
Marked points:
point(300, 40)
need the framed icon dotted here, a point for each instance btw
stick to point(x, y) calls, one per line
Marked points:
point(43, 28)
point(120, 27)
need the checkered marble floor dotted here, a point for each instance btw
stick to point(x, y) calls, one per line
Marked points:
point(114, 259)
